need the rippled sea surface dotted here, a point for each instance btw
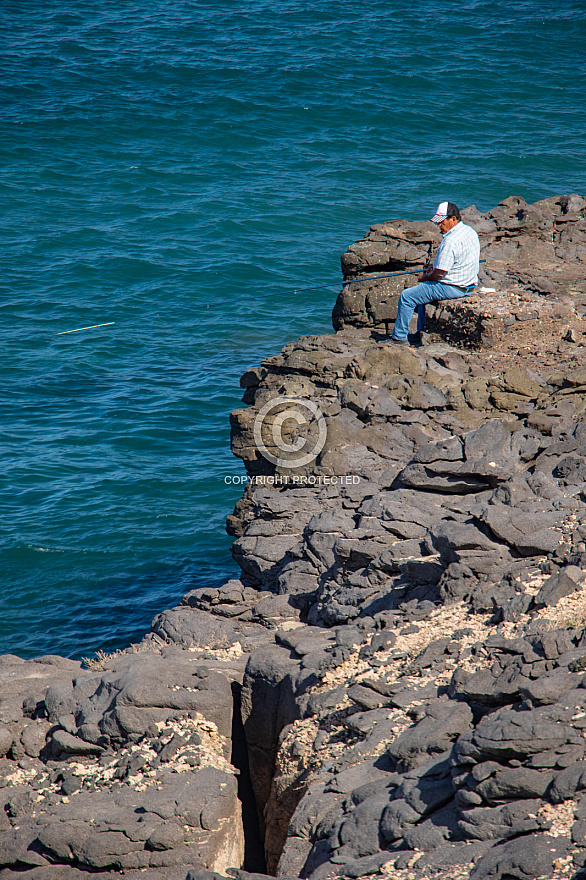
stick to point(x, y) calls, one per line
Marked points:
point(179, 168)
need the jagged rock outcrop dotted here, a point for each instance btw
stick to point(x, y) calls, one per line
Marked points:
point(120, 769)
point(427, 595)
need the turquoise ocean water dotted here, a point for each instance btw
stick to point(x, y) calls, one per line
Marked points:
point(179, 168)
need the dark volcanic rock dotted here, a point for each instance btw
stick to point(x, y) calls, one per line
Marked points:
point(444, 720)
point(129, 773)
point(528, 856)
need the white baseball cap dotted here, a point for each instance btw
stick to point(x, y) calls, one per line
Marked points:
point(441, 213)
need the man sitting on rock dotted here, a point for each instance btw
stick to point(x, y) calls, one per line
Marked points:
point(453, 274)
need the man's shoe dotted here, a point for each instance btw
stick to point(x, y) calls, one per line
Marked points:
point(393, 341)
point(421, 338)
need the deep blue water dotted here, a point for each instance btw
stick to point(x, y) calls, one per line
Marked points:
point(167, 166)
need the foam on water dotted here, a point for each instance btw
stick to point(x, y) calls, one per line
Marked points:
point(167, 167)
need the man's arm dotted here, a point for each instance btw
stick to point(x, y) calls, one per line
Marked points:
point(431, 274)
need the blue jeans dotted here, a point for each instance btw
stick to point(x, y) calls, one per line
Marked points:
point(416, 297)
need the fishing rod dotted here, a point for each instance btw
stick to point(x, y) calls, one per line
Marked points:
point(378, 277)
point(352, 281)
point(337, 283)
point(392, 275)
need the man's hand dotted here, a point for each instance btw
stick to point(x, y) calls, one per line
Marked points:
point(431, 274)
